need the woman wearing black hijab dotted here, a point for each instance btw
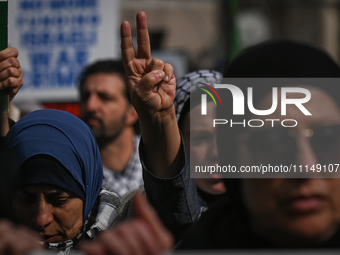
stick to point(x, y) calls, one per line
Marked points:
point(280, 213)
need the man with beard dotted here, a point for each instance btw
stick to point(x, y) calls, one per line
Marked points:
point(106, 107)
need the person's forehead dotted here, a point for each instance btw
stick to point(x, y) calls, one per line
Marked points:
point(42, 188)
point(103, 82)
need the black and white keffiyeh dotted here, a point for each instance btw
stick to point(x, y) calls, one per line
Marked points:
point(102, 217)
point(184, 86)
point(130, 178)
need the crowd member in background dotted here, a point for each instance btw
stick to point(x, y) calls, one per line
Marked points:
point(203, 135)
point(281, 212)
point(105, 105)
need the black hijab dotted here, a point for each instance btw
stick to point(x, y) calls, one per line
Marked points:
point(226, 225)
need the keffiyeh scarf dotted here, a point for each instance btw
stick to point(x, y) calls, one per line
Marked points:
point(102, 217)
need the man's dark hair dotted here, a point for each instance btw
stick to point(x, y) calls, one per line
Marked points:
point(104, 67)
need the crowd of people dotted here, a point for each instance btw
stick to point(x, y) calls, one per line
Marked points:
point(118, 181)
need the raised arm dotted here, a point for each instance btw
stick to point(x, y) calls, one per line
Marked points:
point(152, 87)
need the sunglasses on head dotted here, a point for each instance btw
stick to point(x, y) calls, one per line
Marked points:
point(279, 145)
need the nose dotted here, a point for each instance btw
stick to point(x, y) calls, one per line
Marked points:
point(92, 103)
point(89, 103)
point(43, 215)
point(214, 150)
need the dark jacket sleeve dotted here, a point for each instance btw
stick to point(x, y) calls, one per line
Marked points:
point(175, 199)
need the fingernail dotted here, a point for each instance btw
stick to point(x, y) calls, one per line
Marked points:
point(160, 74)
point(167, 78)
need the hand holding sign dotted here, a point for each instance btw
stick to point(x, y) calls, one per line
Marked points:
point(10, 72)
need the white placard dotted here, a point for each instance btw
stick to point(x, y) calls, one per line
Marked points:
point(56, 39)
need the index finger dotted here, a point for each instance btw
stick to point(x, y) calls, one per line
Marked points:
point(128, 51)
point(143, 39)
point(148, 214)
point(7, 53)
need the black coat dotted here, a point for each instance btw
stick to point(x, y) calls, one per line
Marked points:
point(227, 226)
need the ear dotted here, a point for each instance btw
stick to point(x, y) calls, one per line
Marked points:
point(131, 116)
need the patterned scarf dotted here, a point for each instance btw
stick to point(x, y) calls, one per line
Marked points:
point(184, 88)
point(130, 178)
point(102, 217)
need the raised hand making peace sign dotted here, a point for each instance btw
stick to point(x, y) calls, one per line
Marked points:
point(152, 87)
point(151, 81)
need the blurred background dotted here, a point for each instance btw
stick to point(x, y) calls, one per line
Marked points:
point(57, 38)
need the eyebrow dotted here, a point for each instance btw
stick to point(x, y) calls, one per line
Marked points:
point(27, 192)
point(57, 192)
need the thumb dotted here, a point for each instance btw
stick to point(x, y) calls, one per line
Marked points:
point(150, 80)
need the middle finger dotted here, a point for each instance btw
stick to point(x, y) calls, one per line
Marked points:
point(10, 62)
point(143, 39)
point(10, 72)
